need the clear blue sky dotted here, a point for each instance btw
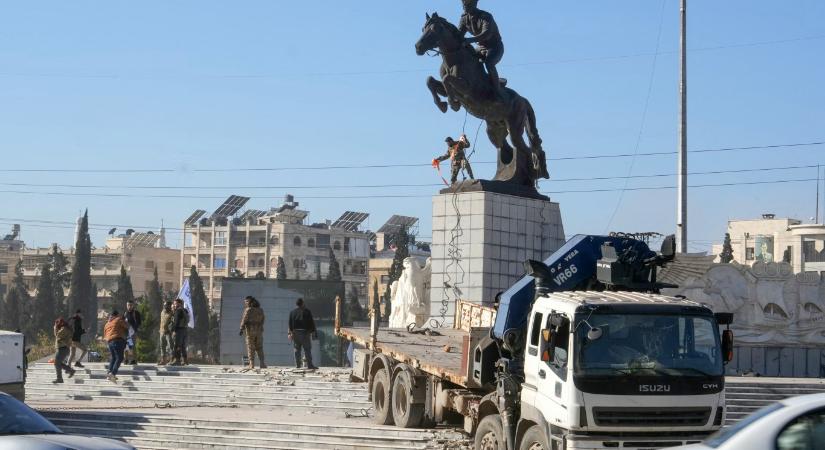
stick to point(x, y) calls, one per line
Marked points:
point(191, 85)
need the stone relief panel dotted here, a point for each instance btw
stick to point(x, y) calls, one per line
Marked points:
point(771, 304)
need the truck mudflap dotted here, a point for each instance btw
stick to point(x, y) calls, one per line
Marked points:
point(574, 441)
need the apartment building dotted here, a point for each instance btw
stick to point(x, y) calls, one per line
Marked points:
point(229, 243)
point(774, 239)
point(10, 248)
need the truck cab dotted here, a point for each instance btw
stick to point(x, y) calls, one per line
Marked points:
point(622, 370)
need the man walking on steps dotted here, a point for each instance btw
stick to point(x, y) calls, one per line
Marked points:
point(301, 332)
point(134, 320)
point(78, 331)
point(252, 324)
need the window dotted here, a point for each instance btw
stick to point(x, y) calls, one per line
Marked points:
point(275, 239)
point(150, 265)
point(168, 286)
point(220, 238)
point(562, 345)
point(336, 246)
point(220, 262)
point(170, 267)
point(806, 432)
point(261, 262)
point(536, 330)
point(322, 241)
point(311, 243)
point(385, 279)
point(346, 244)
point(252, 263)
point(749, 252)
point(723, 435)
point(297, 241)
point(4, 268)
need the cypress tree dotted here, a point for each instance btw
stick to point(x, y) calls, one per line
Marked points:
point(148, 332)
point(402, 252)
point(200, 306)
point(91, 313)
point(213, 346)
point(25, 307)
point(280, 269)
point(80, 289)
point(727, 250)
point(124, 292)
point(155, 294)
point(334, 268)
point(44, 308)
point(60, 280)
point(10, 314)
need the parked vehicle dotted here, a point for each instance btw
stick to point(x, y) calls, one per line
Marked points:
point(23, 428)
point(796, 423)
point(13, 364)
point(583, 353)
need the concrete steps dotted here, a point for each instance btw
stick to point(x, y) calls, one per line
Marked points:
point(163, 432)
point(744, 395)
point(202, 386)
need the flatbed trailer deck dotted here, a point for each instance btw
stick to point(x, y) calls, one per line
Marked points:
point(439, 355)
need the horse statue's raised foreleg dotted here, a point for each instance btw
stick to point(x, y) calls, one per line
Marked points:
point(437, 90)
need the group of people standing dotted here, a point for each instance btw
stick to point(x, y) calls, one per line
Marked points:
point(301, 332)
point(121, 335)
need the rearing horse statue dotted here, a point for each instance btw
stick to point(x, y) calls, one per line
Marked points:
point(464, 82)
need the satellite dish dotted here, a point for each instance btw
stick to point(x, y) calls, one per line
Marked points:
point(112, 231)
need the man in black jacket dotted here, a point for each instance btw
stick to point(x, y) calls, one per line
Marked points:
point(78, 331)
point(301, 332)
point(178, 327)
point(134, 320)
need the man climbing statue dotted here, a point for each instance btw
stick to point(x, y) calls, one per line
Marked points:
point(485, 33)
point(458, 158)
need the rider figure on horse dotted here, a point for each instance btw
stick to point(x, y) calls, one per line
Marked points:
point(485, 33)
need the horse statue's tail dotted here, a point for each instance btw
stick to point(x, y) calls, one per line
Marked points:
point(539, 157)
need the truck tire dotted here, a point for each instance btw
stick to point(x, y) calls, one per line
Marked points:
point(381, 401)
point(490, 434)
point(533, 440)
point(405, 413)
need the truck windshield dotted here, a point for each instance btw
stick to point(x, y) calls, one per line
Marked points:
point(648, 344)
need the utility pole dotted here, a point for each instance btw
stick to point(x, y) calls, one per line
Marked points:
point(682, 213)
point(818, 172)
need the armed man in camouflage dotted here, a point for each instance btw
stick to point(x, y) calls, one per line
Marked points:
point(458, 159)
point(252, 324)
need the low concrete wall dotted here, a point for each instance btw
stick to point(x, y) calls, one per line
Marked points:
point(774, 361)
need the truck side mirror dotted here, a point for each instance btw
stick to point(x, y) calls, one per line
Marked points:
point(727, 346)
point(548, 345)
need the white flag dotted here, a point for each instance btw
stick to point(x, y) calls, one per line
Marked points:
point(185, 294)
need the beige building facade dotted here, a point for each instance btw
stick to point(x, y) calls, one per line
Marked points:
point(772, 239)
point(139, 253)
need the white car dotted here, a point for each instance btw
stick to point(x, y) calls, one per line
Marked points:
point(796, 423)
point(21, 428)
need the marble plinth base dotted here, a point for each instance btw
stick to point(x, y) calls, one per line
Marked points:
point(480, 243)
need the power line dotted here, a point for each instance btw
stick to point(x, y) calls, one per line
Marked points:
point(388, 196)
point(355, 73)
point(798, 145)
point(386, 186)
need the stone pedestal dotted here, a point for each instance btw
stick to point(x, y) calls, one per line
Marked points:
point(480, 243)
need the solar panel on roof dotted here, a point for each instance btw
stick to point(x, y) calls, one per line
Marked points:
point(252, 214)
point(350, 220)
point(142, 240)
point(193, 219)
point(231, 206)
point(396, 223)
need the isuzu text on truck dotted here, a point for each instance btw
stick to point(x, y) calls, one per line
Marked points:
point(582, 353)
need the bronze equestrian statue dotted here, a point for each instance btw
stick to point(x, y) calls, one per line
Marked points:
point(464, 82)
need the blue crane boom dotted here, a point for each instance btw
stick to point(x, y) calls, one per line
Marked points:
point(579, 264)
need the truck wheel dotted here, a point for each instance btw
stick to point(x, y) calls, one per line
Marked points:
point(381, 397)
point(490, 434)
point(404, 411)
point(533, 440)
